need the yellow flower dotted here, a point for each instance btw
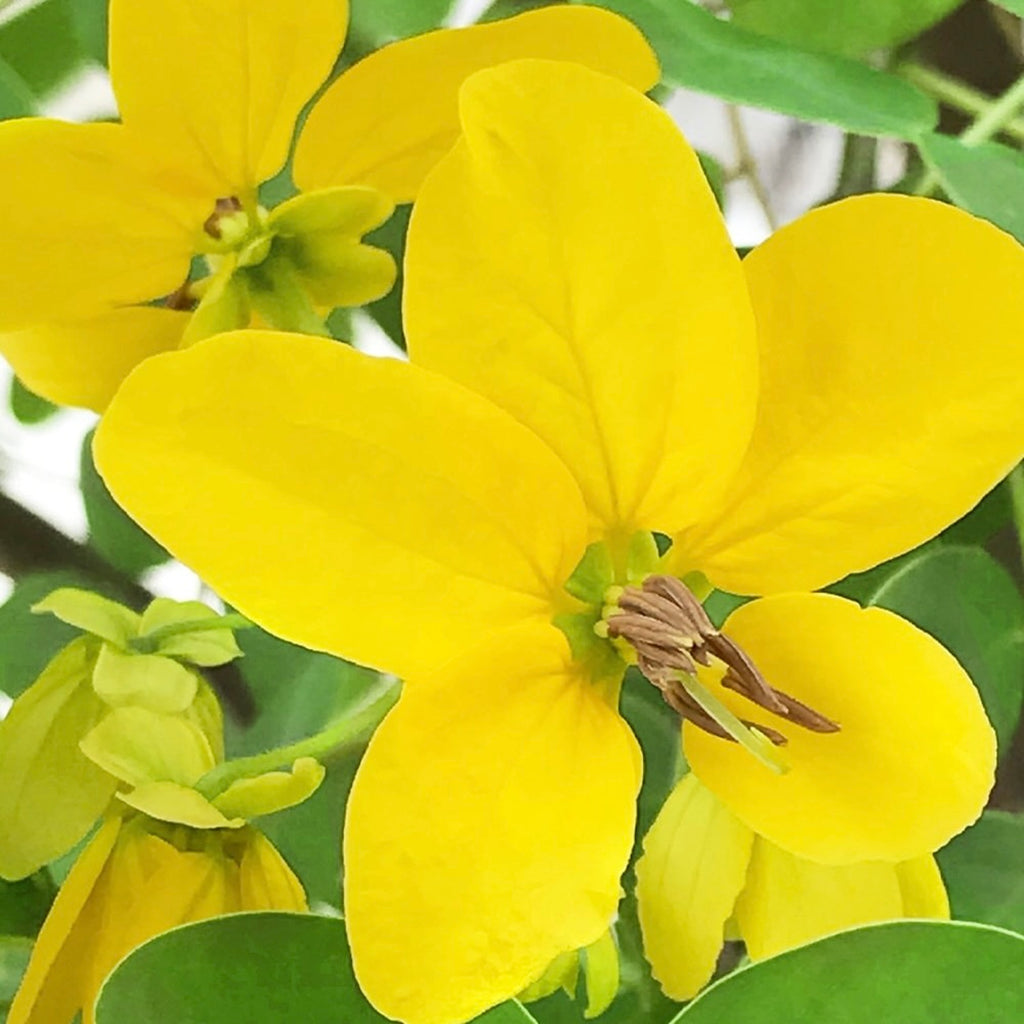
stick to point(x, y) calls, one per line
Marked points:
point(136, 878)
point(102, 221)
point(585, 368)
point(705, 875)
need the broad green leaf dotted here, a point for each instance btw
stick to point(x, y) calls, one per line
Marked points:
point(970, 604)
point(984, 871)
point(50, 793)
point(16, 99)
point(14, 953)
point(913, 972)
point(850, 27)
point(41, 46)
point(699, 51)
point(89, 20)
point(984, 521)
point(115, 537)
point(26, 406)
point(24, 904)
point(987, 180)
point(27, 641)
point(380, 21)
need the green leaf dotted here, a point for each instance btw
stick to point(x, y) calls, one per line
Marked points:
point(849, 27)
point(984, 521)
point(987, 180)
point(382, 20)
point(1013, 6)
point(14, 954)
point(970, 604)
point(89, 20)
point(984, 871)
point(913, 972)
point(699, 51)
point(114, 536)
point(24, 905)
point(16, 99)
point(27, 641)
point(26, 406)
point(388, 310)
point(40, 45)
point(507, 1013)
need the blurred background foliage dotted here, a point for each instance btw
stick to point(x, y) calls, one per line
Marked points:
point(927, 98)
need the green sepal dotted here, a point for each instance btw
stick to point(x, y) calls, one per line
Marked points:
point(50, 793)
point(601, 971)
point(225, 306)
point(143, 680)
point(594, 574)
point(642, 556)
point(139, 746)
point(93, 614)
point(562, 973)
point(596, 654)
point(271, 791)
point(205, 647)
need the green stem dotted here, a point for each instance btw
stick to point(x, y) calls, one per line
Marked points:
point(1016, 484)
point(992, 121)
point(955, 93)
point(343, 733)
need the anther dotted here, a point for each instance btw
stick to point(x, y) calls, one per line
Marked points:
point(671, 633)
point(225, 206)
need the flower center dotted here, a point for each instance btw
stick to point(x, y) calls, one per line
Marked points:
point(668, 630)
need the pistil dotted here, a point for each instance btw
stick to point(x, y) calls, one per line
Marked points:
point(671, 634)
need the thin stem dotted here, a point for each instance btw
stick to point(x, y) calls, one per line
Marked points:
point(345, 732)
point(747, 166)
point(1016, 484)
point(955, 93)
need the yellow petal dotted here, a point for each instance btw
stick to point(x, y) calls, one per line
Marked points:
point(388, 120)
point(398, 518)
point(170, 801)
point(487, 828)
point(221, 85)
point(789, 901)
point(88, 222)
point(548, 269)
point(50, 793)
point(693, 867)
point(266, 882)
point(912, 764)
point(272, 791)
point(891, 396)
point(924, 892)
point(58, 974)
point(83, 362)
point(137, 745)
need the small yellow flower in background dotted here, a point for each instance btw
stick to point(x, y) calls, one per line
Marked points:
point(51, 793)
point(102, 221)
point(591, 364)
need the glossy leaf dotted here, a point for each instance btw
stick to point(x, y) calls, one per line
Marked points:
point(987, 180)
point(89, 20)
point(699, 51)
point(984, 871)
point(914, 972)
point(851, 27)
point(970, 604)
point(116, 538)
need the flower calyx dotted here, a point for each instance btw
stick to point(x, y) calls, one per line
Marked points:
point(670, 633)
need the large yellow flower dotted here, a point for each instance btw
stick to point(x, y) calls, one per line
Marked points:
point(102, 222)
point(590, 361)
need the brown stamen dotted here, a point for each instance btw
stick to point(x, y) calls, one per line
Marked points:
point(224, 206)
point(670, 632)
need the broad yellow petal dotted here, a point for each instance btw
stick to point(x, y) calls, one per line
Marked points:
point(891, 392)
point(220, 85)
point(552, 270)
point(82, 362)
point(358, 505)
point(487, 829)
point(89, 221)
point(789, 901)
point(693, 867)
point(924, 892)
point(389, 119)
point(265, 880)
point(50, 793)
point(59, 972)
point(914, 758)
